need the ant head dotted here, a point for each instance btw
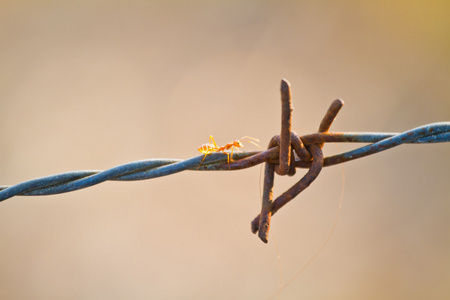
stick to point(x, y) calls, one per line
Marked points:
point(237, 143)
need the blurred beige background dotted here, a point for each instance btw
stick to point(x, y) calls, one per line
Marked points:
point(94, 84)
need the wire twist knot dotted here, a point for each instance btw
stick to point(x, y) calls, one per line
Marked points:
point(290, 144)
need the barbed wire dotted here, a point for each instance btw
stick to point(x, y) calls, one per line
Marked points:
point(154, 168)
point(286, 152)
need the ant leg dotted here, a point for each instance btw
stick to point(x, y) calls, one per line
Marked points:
point(228, 158)
point(231, 158)
point(202, 160)
point(211, 139)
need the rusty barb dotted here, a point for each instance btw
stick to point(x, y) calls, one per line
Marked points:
point(285, 153)
point(289, 142)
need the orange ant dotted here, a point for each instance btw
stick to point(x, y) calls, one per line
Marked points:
point(212, 147)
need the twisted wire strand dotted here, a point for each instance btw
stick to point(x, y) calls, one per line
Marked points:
point(153, 168)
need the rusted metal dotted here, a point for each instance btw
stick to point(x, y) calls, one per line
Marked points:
point(267, 202)
point(329, 117)
point(299, 147)
point(286, 124)
point(286, 163)
point(296, 189)
point(270, 169)
point(286, 166)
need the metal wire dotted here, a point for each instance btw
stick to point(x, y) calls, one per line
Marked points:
point(285, 153)
point(153, 168)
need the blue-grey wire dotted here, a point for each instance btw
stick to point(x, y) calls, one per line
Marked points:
point(152, 168)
